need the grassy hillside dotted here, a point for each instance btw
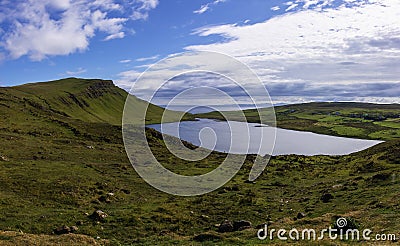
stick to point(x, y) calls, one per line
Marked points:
point(72, 108)
point(58, 165)
point(89, 100)
point(360, 120)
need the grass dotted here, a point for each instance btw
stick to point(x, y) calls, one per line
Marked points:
point(59, 165)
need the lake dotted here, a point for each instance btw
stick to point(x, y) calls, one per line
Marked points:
point(252, 138)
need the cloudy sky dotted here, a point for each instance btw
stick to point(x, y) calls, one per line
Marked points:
point(302, 50)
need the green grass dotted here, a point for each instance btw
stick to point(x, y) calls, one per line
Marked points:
point(88, 100)
point(50, 177)
point(392, 123)
point(348, 131)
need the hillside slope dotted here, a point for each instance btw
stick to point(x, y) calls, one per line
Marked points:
point(72, 108)
point(59, 165)
point(89, 100)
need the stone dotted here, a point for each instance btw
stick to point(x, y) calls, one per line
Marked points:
point(73, 229)
point(327, 197)
point(203, 216)
point(241, 225)
point(98, 215)
point(225, 226)
point(300, 215)
point(62, 230)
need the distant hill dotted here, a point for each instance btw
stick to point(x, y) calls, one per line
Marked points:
point(346, 119)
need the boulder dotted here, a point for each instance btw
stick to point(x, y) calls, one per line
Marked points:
point(327, 197)
point(225, 226)
point(65, 230)
point(241, 225)
point(300, 215)
point(98, 215)
point(62, 230)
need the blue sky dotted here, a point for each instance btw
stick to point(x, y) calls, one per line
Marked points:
point(302, 50)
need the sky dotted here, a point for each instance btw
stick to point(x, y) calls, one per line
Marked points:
point(301, 50)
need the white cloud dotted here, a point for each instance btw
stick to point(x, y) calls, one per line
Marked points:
point(292, 6)
point(319, 36)
point(107, 5)
point(202, 9)
point(150, 58)
point(60, 27)
point(108, 25)
point(353, 43)
point(125, 61)
point(143, 8)
point(275, 8)
point(115, 36)
point(77, 72)
point(336, 53)
point(206, 7)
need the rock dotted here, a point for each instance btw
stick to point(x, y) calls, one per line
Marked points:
point(338, 186)
point(381, 176)
point(62, 230)
point(104, 199)
point(98, 215)
point(225, 226)
point(164, 232)
point(300, 215)
point(126, 191)
point(203, 216)
point(65, 230)
point(327, 197)
point(241, 225)
point(74, 229)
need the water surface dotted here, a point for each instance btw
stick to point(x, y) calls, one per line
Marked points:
point(252, 138)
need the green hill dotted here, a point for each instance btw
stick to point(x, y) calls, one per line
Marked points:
point(62, 158)
point(89, 100)
point(72, 107)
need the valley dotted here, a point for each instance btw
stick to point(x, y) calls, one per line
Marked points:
point(62, 158)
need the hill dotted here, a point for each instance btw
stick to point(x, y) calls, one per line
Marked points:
point(59, 165)
point(72, 107)
point(89, 100)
